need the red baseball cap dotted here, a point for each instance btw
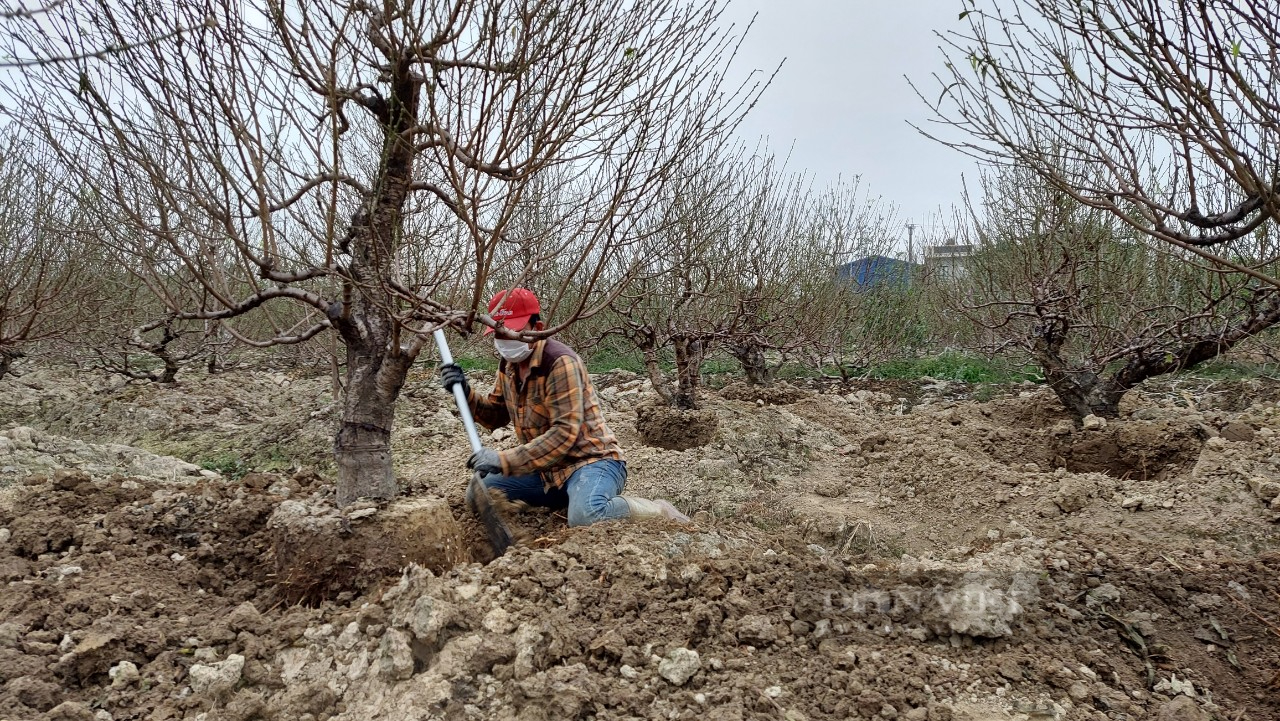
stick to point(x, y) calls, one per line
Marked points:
point(517, 305)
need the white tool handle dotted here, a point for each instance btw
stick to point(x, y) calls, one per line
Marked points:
point(459, 395)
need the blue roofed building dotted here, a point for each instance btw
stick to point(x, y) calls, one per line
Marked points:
point(877, 271)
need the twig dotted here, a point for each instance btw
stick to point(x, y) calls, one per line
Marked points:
point(1255, 614)
point(768, 698)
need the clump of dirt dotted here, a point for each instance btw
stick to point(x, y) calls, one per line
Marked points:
point(119, 587)
point(674, 429)
point(321, 552)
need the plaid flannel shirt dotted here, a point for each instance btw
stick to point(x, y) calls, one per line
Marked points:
point(556, 414)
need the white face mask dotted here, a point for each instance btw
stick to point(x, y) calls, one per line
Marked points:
point(512, 351)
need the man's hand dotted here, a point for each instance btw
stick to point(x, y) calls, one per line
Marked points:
point(485, 461)
point(450, 375)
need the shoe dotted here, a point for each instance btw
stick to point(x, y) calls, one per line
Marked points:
point(643, 509)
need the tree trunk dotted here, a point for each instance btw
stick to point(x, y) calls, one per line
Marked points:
point(362, 446)
point(335, 368)
point(161, 351)
point(170, 373)
point(1083, 392)
point(751, 356)
point(661, 385)
point(7, 357)
point(689, 357)
point(214, 329)
point(377, 363)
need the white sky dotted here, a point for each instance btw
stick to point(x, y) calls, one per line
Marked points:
point(843, 100)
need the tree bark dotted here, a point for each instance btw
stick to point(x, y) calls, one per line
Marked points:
point(754, 365)
point(689, 357)
point(657, 378)
point(170, 373)
point(362, 445)
point(7, 357)
point(1084, 393)
point(377, 364)
point(161, 351)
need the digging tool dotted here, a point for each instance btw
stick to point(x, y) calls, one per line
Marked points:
point(478, 499)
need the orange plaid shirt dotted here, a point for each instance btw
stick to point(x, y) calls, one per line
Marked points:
point(556, 414)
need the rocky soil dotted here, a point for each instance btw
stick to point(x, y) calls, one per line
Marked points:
point(868, 551)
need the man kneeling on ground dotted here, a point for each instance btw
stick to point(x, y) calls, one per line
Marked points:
point(567, 457)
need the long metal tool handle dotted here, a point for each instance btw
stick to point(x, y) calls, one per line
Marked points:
point(459, 395)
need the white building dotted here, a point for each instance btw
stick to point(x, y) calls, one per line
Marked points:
point(946, 261)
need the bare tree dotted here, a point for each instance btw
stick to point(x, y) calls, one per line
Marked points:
point(679, 300)
point(745, 265)
point(844, 322)
point(41, 242)
point(1099, 311)
point(778, 249)
point(1160, 113)
point(16, 21)
point(369, 164)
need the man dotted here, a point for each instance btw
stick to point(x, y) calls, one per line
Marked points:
point(567, 456)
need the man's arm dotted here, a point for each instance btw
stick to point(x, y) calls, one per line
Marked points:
point(490, 411)
point(565, 393)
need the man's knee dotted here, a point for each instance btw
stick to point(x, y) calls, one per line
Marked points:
point(596, 508)
point(584, 513)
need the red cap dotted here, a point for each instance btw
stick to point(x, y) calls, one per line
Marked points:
point(517, 305)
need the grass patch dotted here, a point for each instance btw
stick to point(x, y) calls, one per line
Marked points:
point(609, 360)
point(477, 363)
point(1223, 369)
point(229, 464)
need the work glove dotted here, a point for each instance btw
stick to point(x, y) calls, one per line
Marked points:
point(451, 374)
point(485, 461)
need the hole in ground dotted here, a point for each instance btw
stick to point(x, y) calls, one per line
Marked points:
point(1131, 449)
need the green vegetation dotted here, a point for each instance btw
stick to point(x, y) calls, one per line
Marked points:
point(477, 363)
point(227, 463)
point(608, 360)
point(1233, 370)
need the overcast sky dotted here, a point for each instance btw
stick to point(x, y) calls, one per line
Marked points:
point(842, 98)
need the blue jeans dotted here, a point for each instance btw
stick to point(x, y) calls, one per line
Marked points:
point(591, 493)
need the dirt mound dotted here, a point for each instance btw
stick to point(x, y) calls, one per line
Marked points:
point(128, 575)
point(674, 429)
point(617, 622)
point(321, 552)
point(777, 394)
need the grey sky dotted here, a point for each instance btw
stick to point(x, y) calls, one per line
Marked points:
point(842, 99)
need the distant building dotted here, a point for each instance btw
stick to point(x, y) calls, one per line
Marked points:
point(946, 261)
point(877, 270)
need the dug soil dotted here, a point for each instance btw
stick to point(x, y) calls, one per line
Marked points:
point(878, 552)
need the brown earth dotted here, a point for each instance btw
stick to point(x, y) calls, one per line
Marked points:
point(869, 552)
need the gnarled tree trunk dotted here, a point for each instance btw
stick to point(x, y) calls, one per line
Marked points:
point(690, 353)
point(362, 445)
point(661, 386)
point(754, 365)
point(7, 357)
point(1084, 392)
